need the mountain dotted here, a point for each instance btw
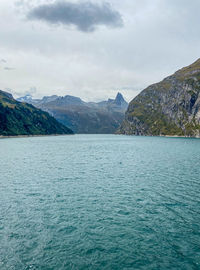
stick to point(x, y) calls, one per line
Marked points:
point(28, 99)
point(19, 118)
point(85, 117)
point(170, 107)
point(118, 103)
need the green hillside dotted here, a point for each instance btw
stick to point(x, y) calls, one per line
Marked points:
point(170, 107)
point(18, 118)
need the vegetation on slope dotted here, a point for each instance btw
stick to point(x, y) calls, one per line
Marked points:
point(18, 118)
point(84, 117)
point(170, 107)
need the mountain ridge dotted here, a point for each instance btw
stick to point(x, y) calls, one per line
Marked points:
point(170, 107)
point(19, 118)
point(84, 117)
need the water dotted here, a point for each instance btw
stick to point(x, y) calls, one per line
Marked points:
point(99, 202)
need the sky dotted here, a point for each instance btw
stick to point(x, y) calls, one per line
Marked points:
point(95, 48)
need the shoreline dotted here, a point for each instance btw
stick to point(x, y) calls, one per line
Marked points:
point(165, 136)
point(53, 135)
point(177, 136)
point(27, 136)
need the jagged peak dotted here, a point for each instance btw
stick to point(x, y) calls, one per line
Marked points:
point(119, 96)
point(119, 100)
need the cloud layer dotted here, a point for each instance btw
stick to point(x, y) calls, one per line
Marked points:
point(157, 38)
point(86, 16)
point(8, 68)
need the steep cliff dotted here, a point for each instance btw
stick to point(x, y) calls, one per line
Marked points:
point(170, 107)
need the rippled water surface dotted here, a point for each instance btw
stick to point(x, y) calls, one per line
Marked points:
point(99, 202)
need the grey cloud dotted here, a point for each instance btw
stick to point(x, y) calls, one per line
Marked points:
point(129, 88)
point(85, 16)
point(3, 61)
point(8, 68)
point(31, 91)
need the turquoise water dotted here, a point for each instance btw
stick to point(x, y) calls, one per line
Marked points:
point(99, 202)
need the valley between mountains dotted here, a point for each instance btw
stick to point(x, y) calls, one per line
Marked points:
point(167, 108)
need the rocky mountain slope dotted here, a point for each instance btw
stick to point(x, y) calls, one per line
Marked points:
point(84, 117)
point(17, 118)
point(170, 107)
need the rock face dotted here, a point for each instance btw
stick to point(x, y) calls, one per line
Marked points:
point(84, 117)
point(170, 107)
point(18, 118)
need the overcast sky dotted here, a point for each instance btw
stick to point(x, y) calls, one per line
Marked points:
point(93, 49)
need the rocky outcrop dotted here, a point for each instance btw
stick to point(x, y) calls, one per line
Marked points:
point(170, 107)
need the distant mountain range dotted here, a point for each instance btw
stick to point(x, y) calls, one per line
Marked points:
point(83, 117)
point(170, 107)
point(17, 118)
